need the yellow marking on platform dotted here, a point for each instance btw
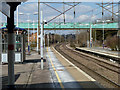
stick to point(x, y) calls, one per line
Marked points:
point(60, 82)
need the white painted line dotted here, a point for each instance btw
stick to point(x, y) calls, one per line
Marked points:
point(59, 80)
point(76, 67)
point(99, 52)
point(89, 77)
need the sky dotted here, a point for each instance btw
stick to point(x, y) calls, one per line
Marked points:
point(81, 11)
point(71, 0)
point(86, 11)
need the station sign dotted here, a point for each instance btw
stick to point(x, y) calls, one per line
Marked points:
point(5, 9)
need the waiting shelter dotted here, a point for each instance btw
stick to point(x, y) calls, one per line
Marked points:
point(20, 39)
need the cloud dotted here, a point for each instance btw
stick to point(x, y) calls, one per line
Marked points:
point(86, 18)
point(49, 13)
point(83, 17)
point(69, 16)
point(28, 8)
point(94, 17)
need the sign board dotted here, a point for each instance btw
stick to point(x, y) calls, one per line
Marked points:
point(5, 9)
point(4, 57)
point(17, 57)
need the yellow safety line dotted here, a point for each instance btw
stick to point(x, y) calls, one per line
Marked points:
point(60, 82)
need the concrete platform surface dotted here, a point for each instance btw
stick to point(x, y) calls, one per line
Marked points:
point(29, 74)
point(85, 81)
point(57, 73)
point(60, 76)
point(115, 54)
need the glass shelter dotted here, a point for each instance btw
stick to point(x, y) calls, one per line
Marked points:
point(20, 45)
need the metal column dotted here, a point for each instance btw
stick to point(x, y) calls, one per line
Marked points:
point(0, 47)
point(44, 40)
point(11, 43)
point(119, 37)
point(23, 47)
point(38, 24)
point(41, 43)
point(48, 39)
point(17, 19)
point(90, 35)
point(37, 40)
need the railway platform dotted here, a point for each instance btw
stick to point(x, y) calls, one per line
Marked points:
point(113, 55)
point(29, 74)
point(58, 72)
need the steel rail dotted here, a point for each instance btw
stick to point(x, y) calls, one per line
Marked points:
point(72, 59)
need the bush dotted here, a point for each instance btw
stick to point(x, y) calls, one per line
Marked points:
point(112, 42)
point(72, 44)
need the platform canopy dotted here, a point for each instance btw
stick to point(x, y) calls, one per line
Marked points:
point(71, 1)
point(13, 0)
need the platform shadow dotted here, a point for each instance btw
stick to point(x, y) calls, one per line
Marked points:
point(5, 79)
point(33, 61)
point(56, 86)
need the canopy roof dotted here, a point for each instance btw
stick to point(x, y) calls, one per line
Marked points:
point(4, 29)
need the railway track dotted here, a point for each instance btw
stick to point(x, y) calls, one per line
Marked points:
point(100, 62)
point(99, 77)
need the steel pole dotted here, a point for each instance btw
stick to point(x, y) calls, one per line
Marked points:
point(37, 40)
point(38, 22)
point(28, 37)
point(44, 40)
point(48, 40)
point(11, 43)
point(95, 37)
point(119, 38)
point(33, 33)
point(17, 19)
point(41, 45)
point(11, 52)
point(90, 35)
point(103, 34)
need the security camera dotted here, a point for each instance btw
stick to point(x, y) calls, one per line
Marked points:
point(45, 22)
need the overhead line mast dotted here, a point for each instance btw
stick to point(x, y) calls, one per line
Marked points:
point(112, 12)
point(38, 33)
point(63, 11)
point(74, 9)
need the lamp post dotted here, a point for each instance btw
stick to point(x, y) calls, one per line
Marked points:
point(94, 35)
point(48, 40)
point(38, 31)
point(87, 35)
point(36, 13)
point(28, 30)
point(18, 17)
point(103, 33)
point(28, 35)
point(42, 36)
point(17, 20)
point(90, 35)
point(33, 32)
point(41, 45)
point(103, 21)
